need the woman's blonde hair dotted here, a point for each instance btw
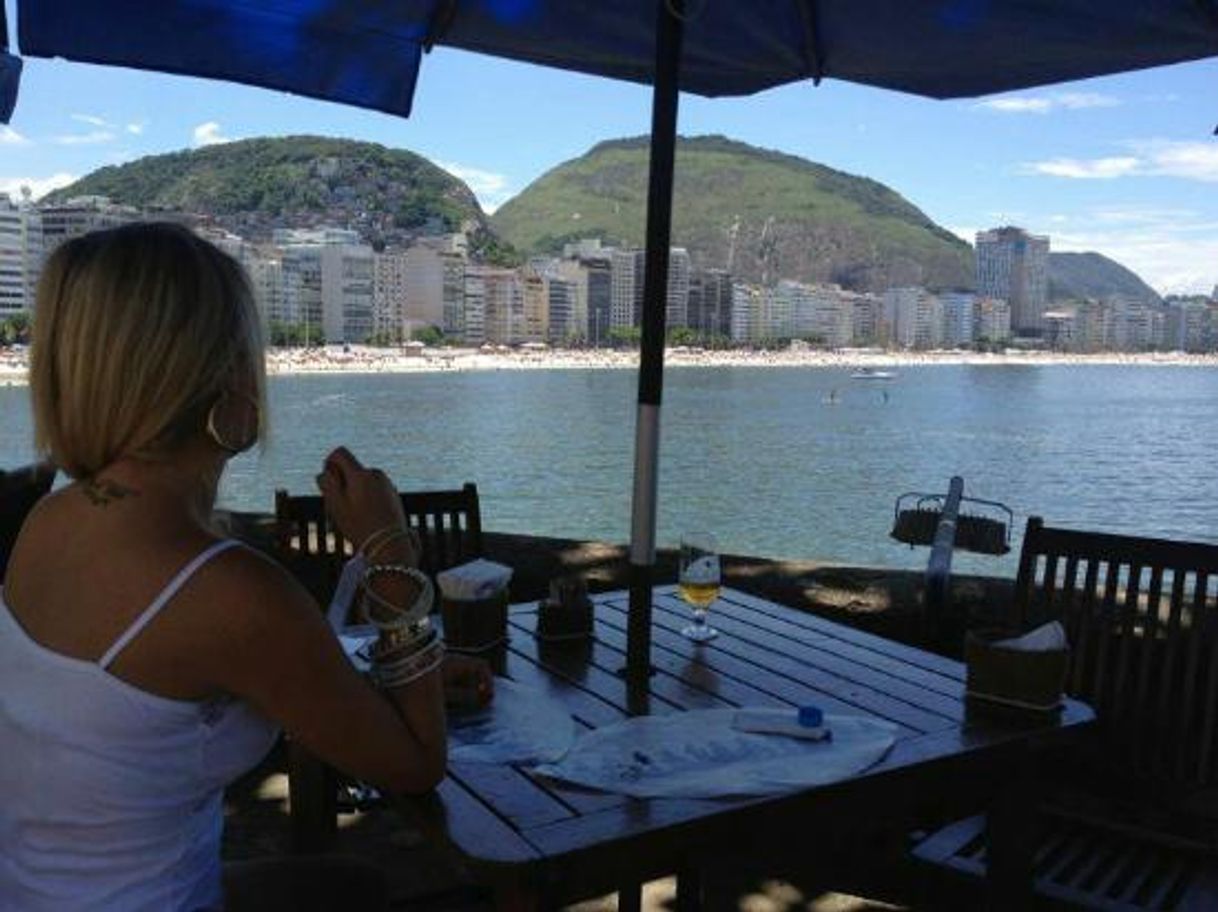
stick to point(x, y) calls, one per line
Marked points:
point(138, 331)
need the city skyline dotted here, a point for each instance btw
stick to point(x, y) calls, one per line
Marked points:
point(327, 284)
point(1112, 165)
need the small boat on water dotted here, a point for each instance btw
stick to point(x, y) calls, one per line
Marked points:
point(871, 373)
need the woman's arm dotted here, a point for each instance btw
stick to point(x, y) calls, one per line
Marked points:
point(277, 651)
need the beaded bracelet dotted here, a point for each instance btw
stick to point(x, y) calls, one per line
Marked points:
point(405, 652)
point(389, 683)
point(409, 637)
point(399, 616)
point(400, 671)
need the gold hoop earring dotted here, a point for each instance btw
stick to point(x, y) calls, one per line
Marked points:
point(230, 447)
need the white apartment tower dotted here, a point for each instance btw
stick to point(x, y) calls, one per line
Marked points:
point(346, 292)
point(959, 318)
point(20, 257)
point(916, 317)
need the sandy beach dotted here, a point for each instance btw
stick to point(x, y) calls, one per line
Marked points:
point(369, 360)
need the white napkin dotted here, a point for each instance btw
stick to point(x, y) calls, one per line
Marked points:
point(479, 579)
point(1044, 638)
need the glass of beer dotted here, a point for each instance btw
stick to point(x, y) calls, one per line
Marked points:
point(698, 581)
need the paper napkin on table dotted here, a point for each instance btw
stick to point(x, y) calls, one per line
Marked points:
point(479, 579)
point(1044, 638)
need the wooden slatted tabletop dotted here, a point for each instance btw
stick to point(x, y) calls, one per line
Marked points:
point(541, 842)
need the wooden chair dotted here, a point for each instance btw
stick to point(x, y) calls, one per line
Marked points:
point(1134, 824)
point(449, 524)
point(20, 489)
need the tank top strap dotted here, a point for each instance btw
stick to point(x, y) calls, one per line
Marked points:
point(179, 580)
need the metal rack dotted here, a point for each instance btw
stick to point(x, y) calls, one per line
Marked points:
point(936, 520)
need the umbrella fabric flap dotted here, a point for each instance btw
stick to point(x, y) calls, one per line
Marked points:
point(359, 53)
point(10, 79)
point(10, 72)
point(366, 52)
point(944, 49)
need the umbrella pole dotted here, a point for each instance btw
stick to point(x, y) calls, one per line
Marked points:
point(651, 359)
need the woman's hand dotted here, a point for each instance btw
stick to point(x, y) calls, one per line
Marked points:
point(468, 682)
point(359, 500)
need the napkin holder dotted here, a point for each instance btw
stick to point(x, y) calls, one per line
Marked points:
point(566, 614)
point(1013, 681)
point(474, 625)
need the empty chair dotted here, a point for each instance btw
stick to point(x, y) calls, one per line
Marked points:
point(1133, 824)
point(449, 523)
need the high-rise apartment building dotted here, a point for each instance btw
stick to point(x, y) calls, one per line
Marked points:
point(916, 317)
point(390, 282)
point(709, 308)
point(747, 317)
point(959, 318)
point(536, 307)
point(627, 288)
point(301, 267)
point(1014, 265)
point(868, 320)
point(562, 304)
point(346, 292)
point(991, 320)
point(678, 289)
point(266, 278)
point(20, 257)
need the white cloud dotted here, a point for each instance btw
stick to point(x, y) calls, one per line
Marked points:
point(10, 137)
point(1043, 104)
point(492, 189)
point(1173, 250)
point(137, 127)
point(1017, 105)
point(208, 134)
point(92, 120)
point(92, 138)
point(1173, 158)
point(1076, 101)
point(1152, 158)
point(39, 186)
point(1087, 168)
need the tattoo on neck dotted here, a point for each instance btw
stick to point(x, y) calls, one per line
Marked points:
point(102, 492)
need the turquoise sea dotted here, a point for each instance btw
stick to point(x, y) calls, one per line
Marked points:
point(770, 459)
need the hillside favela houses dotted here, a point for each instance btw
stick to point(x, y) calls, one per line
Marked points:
point(337, 284)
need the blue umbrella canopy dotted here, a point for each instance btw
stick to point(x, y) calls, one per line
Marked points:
point(367, 52)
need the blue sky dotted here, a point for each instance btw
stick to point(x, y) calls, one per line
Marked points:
point(1124, 165)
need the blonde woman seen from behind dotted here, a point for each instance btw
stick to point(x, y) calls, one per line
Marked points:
point(146, 662)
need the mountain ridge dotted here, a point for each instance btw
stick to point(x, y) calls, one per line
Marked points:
point(767, 213)
point(764, 213)
point(252, 186)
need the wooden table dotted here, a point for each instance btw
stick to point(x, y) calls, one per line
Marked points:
point(540, 843)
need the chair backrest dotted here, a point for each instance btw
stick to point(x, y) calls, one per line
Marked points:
point(20, 489)
point(1141, 615)
point(449, 524)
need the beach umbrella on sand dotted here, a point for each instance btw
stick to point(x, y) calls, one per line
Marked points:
point(367, 53)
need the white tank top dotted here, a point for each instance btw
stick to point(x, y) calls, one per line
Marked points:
point(111, 796)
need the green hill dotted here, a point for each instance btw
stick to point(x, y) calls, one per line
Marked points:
point(764, 214)
point(255, 185)
point(1073, 276)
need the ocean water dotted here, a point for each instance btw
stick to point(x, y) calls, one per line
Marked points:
point(784, 462)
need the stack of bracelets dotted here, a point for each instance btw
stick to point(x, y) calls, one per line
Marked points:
point(408, 647)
